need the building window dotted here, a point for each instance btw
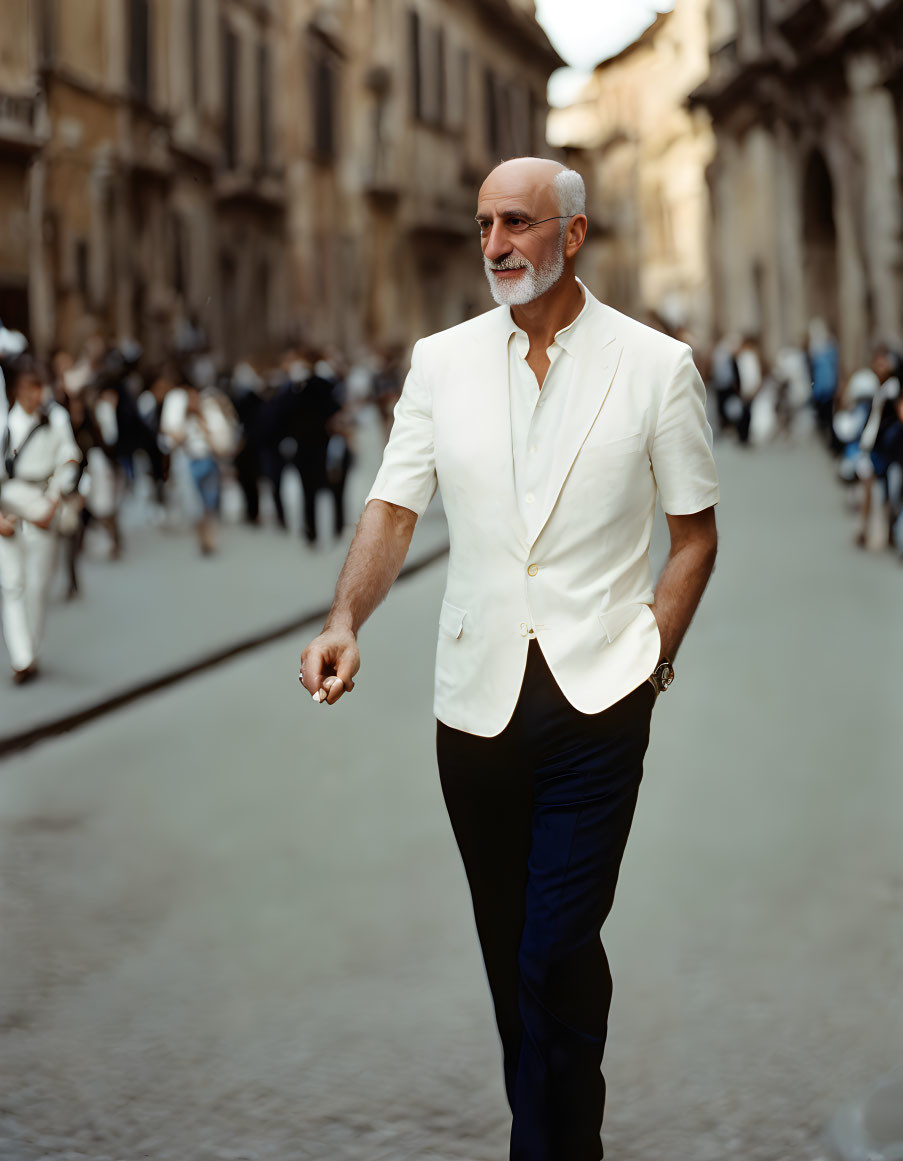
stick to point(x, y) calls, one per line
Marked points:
point(762, 14)
point(139, 50)
point(536, 142)
point(263, 105)
point(230, 97)
point(463, 110)
point(416, 63)
point(264, 305)
point(48, 30)
point(194, 50)
point(179, 248)
point(81, 266)
point(325, 82)
point(493, 134)
point(441, 105)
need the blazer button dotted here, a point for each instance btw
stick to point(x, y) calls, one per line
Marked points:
point(533, 570)
point(524, 628)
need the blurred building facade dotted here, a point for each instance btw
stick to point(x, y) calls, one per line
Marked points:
point(645, 155)
point(403, 107)
point(255, 171)
point(806, 98)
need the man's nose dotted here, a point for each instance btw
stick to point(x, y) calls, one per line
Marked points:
point(497, 243)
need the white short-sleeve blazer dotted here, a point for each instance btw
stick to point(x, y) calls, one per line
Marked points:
point(634, 430)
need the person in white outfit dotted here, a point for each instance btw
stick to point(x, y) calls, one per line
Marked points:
point(39, 466)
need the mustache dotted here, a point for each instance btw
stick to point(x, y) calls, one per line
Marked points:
point(509, 262)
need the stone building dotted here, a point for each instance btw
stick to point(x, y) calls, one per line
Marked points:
point(644, 154)
point(806, 98)
point(259, 170)
point(23, 133)
point(154, 186)
point(403, 106)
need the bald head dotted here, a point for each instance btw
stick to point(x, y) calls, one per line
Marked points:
point(524, 177)
point(548, 184)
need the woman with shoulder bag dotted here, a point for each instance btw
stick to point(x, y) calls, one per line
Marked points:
point(39, 471)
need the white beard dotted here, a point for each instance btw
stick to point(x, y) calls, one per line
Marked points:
point(532, 284)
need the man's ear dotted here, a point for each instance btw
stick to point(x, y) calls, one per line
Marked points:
point(576, 235)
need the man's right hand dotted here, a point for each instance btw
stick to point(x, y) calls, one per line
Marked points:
point(334, 654)
point(7, 525)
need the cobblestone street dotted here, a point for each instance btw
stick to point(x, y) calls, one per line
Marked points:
point(234, 925)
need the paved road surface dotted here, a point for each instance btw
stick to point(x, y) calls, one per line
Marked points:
point(234, 925)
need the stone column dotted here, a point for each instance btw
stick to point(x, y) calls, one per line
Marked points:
point(789, 236)
point(765, 240)
point(42, 305)
point(853, 286)
point(726, 267)
point(873, 130)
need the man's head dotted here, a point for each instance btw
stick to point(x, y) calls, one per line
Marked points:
point(532, 218)
point(883, 362)
point(26, 383)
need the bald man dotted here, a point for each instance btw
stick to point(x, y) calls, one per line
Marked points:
point(553, 426)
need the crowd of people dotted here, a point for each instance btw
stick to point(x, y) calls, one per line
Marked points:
point(79, 430)
point(860, 418)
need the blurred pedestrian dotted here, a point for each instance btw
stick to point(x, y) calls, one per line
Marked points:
point(203, 426)
point(852, 411)
point(877, 447)
point(150, 408)
point(824, 363)
point(248, 403)
point(725, 382)
point(793, 378)
point(38, 476)
point(313, 404)
point(750, 378)
point(387, 384)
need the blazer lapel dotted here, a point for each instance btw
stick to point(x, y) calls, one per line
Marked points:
point(595, 366)
point(494, 408)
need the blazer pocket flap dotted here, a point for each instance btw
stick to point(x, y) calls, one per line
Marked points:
point(619, 443)
point(615, 620)
point(451, 620)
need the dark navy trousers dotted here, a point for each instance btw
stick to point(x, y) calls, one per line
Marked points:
point(541, 815)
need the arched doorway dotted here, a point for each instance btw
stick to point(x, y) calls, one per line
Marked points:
point(820, 242)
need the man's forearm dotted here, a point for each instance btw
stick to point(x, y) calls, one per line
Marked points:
point(681, 585)
point(374, 560)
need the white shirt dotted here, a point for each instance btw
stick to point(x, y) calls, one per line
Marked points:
point(536, 415)
point(47, 467)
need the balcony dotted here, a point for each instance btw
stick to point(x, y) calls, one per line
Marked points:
point(21, 129)
point(380, 173)
point(252, 187)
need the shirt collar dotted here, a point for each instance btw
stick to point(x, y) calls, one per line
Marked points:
point(564, 338)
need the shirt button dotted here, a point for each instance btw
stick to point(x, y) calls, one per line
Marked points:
point(530, 498)
point(532, 449)
point(533, 570)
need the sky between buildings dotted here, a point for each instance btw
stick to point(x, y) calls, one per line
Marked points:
point(587, 31)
